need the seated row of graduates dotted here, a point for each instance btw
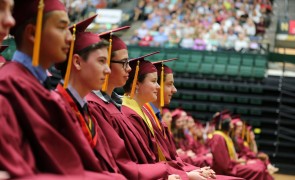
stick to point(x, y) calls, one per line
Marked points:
point(58, 134)
point(195, 144)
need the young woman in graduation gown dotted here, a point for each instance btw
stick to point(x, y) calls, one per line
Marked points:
point(225, 160)
point(145, 89)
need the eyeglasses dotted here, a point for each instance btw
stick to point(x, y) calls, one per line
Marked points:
point(125, 63)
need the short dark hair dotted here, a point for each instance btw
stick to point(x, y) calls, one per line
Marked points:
point(18, 31)
point(84, 53)
point(225, 124)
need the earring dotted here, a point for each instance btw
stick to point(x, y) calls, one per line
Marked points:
point(136, 91)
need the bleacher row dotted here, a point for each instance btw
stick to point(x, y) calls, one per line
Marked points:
point(208, 82)
point(222, 65)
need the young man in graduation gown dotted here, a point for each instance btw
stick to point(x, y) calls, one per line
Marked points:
point(48, 140)
point(225, 160)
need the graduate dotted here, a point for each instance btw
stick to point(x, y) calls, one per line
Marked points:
point(6, 22)
point(140, 88)
point(84, 71)
point(225, 159)
point(248, 149)
point(42, 136)
point(125, 141)
point(187, 146)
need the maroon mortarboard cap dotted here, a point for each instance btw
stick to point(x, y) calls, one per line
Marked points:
point(26, 9)
point(139, 66)
point(220, 116)
point(176, 113)
point(145, 66)
point(84, 39)
point(165, 110)
point(237, 122)
point(167, 70)
point(117, 43)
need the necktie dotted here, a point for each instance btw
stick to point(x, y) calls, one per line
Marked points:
point(47, 83)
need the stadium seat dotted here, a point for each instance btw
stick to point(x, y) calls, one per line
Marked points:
point(206, 68)
point(209, 59)
point(260, 61)
point(201, 97)
point(232, 70)
point(187, 106)
point(229, 99)
point(193, 67)
point(196, 57)
point(179, 67)
point(247, 60)
point(215, 97)
point(246, 71)
point(256, 101)
point(184, 57)
point(200, 107)
point(235, 60)
point(219, 69)
point(187, 96)
point(243, 100)
point(258, 72)
point(222, 59)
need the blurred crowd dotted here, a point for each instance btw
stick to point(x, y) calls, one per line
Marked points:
point(81, 9)
point(195, 143)
point(202, 24)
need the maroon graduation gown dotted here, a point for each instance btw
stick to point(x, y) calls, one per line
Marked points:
point(122, 137)
point(222, 164)
point(149, 139)
point(167, 143)
point(100, 146)
point(47, 124)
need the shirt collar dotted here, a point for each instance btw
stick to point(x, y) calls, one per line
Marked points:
point(115, 98)
point(26, 60)
point(155, 109)
point(76, 95)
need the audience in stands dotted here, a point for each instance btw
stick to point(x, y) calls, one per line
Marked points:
point(205, 25)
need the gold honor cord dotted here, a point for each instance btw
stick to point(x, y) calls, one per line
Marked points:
point(162, 87)
point(69, 65)
point(105, 85)
point(36, 50)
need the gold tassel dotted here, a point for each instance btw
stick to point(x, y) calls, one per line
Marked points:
point(69, 65)
point(248, 136)
point(134, 80)
point(105, 85)
point(162, 87)
point(243, 130)
point(36, 50)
